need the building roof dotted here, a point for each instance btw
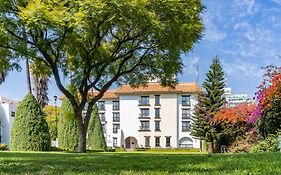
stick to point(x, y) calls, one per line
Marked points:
point(6, 100)
point(157, 88)
point(110, 94)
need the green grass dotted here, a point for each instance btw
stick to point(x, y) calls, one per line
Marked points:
point(30, 163)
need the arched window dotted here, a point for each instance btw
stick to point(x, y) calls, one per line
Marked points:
point(186, 142)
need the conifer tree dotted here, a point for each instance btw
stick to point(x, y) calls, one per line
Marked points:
point(30, 130)
point(67, 129)
point(96, 138)
point(209, 103)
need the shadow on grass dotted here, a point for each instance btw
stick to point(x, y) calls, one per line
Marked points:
point(135, 163)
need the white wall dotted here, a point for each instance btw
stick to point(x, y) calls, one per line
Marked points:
point(193, 100)
point(6, 122)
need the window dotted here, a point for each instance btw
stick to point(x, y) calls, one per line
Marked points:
point(115, 128)
point(144, 100)
point(157, 113)
point(185, 100)
point(116, 117)
point(115, 105)
point(157, 125)
point(104, 128)
point(186, 113)
point(147, 141)
point(168, 141)
point(101, 105)
point(144, 125)
point(114, 142)
point(186, 126)
point(157, 141)
point(157, 100)
point(102, 117)
point(12, 114)
point(144, 113)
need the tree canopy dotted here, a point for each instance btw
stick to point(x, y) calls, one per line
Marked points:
point(98, 42)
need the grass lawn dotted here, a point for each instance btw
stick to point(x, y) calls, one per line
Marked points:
point(30, 163)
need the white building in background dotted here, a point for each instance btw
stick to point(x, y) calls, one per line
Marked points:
point(232, 99)
point(151, 116)
point(7, 113)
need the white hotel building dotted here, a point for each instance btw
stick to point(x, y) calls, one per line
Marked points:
point(152, 116)
point(7, 113)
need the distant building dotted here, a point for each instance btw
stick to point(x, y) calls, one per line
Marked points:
point(149, 117)
point(7, 113)
point(232, 99)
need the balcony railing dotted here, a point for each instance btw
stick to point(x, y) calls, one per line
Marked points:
point(116, 119)
point(101, 108)
point(141, 115)
point(143, 103)
point(186, 103)
point(186, 116)
point(144, 128)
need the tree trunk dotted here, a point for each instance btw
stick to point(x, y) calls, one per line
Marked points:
point(81, 132)
point(82, 141)
point(29, 91)
point(212, 150)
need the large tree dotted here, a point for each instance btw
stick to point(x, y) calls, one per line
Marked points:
point(96, 43)
point(205, 125)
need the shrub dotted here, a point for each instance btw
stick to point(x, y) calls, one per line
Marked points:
point(3, 147)
point(96, 138)
point(268, 145)
point(244, 144)
point(30, 130)
point(68, 137)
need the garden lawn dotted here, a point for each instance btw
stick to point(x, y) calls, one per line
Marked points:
point(30, 163)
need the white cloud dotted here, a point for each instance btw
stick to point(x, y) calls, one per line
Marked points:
point(247, 7)
point(190, 64)
point(213, 33)
point(276, 1)
point(240, 69)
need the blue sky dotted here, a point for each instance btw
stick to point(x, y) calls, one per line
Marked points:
point(245, 34)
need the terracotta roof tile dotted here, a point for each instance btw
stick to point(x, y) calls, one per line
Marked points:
point(110, 94)
point(156, 87)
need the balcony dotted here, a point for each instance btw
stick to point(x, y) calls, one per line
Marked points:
point(186, 104)
point(144, 129)
point(101, 108)
point(186, 116)
point(144, 116)
point(115, 108)
point(116, 120)
point(102, 119)
point(144, 103)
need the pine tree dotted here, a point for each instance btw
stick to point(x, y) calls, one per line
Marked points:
point(209, 103)
point(96, 138)
point(30, 130)
point(67, 129)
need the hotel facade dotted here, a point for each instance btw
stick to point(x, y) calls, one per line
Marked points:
point(149, 117)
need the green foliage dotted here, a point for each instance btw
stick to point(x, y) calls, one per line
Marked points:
point(107, 41)
point(30, 130)
point(96, 138)
point(209, 103)
point(67, 129)
point(270, 122)
point(268, 145)
point(52, 114)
